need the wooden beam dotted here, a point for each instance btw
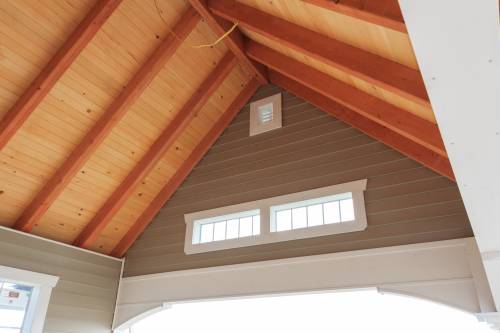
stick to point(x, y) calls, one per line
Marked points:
point(156, 152)
point(196, 155)
point(48, 77)
point(234, 41)
point(105, 124)
point(407, 147)
point(389, 75)
point(385, 13)
point(405, 123)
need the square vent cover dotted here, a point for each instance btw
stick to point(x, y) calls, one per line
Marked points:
point(265, 114)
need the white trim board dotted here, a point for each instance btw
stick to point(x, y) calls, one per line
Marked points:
point(118, 290)
point(42, 289)
point(440, 271)
point(457, 46)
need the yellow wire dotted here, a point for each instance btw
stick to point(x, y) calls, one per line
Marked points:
point(157, 5)
point(218, 39)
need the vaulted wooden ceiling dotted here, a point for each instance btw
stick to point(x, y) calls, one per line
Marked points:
point(107, 105)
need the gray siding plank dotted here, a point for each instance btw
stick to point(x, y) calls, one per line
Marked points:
point(406, 203)
point(84, 298)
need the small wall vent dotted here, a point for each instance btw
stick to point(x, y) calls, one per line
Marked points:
point(265, 114)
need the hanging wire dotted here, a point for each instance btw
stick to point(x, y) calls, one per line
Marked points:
point(217, 41)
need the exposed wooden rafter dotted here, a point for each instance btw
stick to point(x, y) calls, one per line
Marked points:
point(168, 190)
point(413, 150)
point(48, 77)
point(156, 151)
point(385, 13)
point(392, 76)
point(234, 40)
point(419, 130)
point(108, 120)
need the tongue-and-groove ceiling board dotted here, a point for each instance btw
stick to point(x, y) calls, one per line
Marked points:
point(31, 33)
point(107, 105)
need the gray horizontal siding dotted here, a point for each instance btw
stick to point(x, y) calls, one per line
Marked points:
point(405, 202)
point(84, 298)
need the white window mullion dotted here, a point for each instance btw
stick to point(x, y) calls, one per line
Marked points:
point(348, 196)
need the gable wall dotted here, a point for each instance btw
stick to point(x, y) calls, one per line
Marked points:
point(406, 203)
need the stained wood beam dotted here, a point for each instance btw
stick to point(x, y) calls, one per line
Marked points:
point(234, 41)
point(419, 130)
point(164, 142)
point(75, 161)
point(196, 155)
point(385, 13)
point(407, 147)
point(390, 75)
point(48, 77)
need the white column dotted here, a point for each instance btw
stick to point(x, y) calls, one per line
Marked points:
point(457, 45)
point(492, 319)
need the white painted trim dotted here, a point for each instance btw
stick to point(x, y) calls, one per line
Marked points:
point(430, 290)
point(118, 290)
point(265, 206)
point(58, 243)
point(484, 295)
point(42, 288)
point(460, 65)
point(453, 243)
point(255, 126)
point(491, 318)
point(27, 277)
point(438, 271)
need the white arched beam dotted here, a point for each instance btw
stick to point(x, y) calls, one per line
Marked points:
point(416, 269)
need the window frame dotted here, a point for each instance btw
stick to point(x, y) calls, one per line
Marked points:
point(308, 203)
point(198, 223)
point(42, 289)
point(265, 207)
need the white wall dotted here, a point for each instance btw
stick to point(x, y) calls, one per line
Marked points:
point(457, 45)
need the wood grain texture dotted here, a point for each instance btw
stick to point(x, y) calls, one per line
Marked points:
point(49, 76)
point(382, 12)
point(234, 40)
point(137, 131)
point(376, 39)
point(406, 202)
point(156, 152)
point(406, 124)
point(430, 159)
point(105, 124)
point(387, 74)
point(31, 33)
point(193, 159)
point(386, 95)
point(173, 159)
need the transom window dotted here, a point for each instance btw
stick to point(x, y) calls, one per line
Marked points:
point(220, 228)
point(313, 213)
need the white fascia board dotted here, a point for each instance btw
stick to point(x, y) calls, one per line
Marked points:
point(457, 46)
